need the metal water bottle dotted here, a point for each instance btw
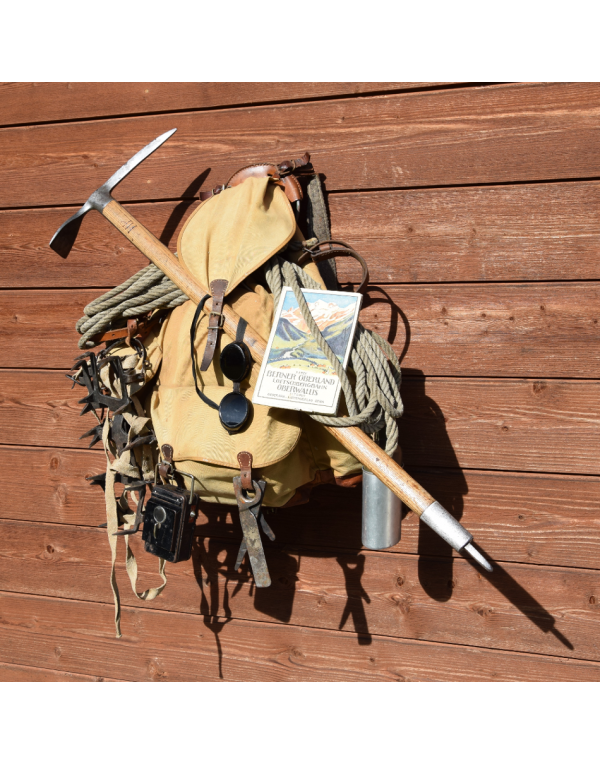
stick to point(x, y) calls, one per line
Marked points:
point(381, 514)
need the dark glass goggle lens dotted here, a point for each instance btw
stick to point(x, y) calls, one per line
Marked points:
point(234, 410)
point(235, 363)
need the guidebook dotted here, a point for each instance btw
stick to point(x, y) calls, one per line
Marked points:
point(295, 373)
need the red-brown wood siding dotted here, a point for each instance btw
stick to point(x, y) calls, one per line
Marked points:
point(478, 209)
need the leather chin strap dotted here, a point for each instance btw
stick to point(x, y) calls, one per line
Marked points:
point(215, 322)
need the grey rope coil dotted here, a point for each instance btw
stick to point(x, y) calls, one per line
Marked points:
point(375, 401)
point(373, 404)
point(145, 291)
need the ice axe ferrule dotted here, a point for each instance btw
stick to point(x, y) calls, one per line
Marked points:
point(450, 530)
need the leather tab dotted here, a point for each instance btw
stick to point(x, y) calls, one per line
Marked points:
point(141, 329)
point(290, 165)
point(165, 468)
point(245, 462)
point(280, 174)
point(215, 321)
point(292, 188)
point(132, 329)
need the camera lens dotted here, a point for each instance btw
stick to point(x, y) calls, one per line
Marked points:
point(160, 514)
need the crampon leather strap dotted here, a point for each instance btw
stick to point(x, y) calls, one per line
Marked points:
point(115, 509)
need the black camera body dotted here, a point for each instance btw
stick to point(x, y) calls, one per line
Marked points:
point(169, 522)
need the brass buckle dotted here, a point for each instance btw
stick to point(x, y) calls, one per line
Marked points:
point(221, 319)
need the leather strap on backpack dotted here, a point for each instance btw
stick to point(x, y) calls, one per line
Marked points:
point(215, 321)
point(282, 175)
point(245, 462)
point(325, 250)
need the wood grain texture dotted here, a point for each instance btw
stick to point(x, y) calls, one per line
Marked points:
point(15, 673)
point(518, 517)
point(534, 425)
point(506, 233)
point(502, 424)
point(101, 256)
point(497, 427)
point(546, 330)
point(537, 609)
point(75, 636)
point(26, 102)
point(494, 134)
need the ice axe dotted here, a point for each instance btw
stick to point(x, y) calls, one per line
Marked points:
point(356, 442)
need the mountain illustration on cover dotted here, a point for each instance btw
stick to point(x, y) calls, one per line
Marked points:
point(294, 346)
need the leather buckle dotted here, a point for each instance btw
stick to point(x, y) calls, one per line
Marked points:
point(221, 320)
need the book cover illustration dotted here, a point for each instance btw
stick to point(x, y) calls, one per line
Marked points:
point(295, 373)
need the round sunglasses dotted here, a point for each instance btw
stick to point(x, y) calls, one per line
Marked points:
point(236, 362)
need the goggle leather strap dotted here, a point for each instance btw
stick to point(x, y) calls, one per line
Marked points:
point(239, 338)
point(192, 339)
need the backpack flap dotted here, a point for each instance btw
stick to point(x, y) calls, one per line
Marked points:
point(233, 233)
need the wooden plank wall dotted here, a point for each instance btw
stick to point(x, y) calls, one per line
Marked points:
point(478, 209)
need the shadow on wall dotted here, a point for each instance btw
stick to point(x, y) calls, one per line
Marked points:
point(425, 442)
point(189, 198)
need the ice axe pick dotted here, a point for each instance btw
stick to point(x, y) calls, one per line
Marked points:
point(102, 200)
point(358, 443)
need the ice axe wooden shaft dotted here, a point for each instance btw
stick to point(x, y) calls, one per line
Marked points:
point(356, 442)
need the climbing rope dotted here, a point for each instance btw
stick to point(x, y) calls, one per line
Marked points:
point(145, 291)
point(373, 404)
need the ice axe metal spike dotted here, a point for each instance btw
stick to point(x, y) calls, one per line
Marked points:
point(63, 240)
point(356, 442)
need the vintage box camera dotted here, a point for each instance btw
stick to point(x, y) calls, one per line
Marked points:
point(169, 522)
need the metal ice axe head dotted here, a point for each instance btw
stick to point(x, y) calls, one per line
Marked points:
point(65, 237)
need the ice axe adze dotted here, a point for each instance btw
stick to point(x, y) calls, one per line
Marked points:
point(356, 442)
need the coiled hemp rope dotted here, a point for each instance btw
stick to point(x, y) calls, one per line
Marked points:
point(145, 291)
point(375, 402)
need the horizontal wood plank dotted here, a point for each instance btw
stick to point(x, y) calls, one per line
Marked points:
point(502, 424)
point(75, 636)
point(102, 257)
point(540, 609)
point(539, 232)
point(27, 102)
point(16, 673)
point(518, 517)
point(546, 330)
point(503, 133)
point(525, 232)
point(533, 425)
